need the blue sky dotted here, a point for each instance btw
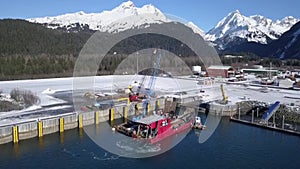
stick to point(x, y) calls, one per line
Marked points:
point(204, 13)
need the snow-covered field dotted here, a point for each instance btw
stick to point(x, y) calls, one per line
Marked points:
point(164, 86)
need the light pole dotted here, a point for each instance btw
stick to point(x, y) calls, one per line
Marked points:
point(137, 63)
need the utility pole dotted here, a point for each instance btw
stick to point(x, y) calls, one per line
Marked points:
point(137, 63)
point(274, 115)
point(283, 122)
point(252, 116)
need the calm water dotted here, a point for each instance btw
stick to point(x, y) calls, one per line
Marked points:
point(233, 145)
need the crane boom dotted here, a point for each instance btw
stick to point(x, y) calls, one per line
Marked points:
point(152, 81)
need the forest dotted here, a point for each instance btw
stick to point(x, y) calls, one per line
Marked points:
point(30, 50)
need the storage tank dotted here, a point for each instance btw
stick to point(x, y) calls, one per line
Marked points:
point(196, 69)
point(257, 67)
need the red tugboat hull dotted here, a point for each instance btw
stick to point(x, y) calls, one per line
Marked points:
point(170, 132)
point(155, 128)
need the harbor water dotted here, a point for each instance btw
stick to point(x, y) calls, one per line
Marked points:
point(232, 145)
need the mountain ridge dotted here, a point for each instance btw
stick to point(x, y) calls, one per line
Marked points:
point(255, 28)
point(285, 47)
point(115, 20)
point(233, 33)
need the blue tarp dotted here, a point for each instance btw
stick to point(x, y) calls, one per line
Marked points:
point(271, 111)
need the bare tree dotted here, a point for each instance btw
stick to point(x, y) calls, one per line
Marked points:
point(24, 96)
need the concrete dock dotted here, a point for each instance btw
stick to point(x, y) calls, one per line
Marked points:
point(36, 128)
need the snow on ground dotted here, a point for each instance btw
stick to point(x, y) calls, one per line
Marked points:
point(269, 95)
point(32, 117)
point(44, 88)
point(31, 110)
point(38, 87)
point(13, 112)
point(47, 100)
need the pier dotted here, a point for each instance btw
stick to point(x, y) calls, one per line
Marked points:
point(265, 126)
point(269, 118)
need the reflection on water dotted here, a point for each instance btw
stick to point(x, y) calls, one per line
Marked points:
point(41, 143)
point(62, 138)
point(81, 132)
point(16, 148)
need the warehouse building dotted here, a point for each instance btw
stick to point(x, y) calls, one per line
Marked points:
point(220, 71)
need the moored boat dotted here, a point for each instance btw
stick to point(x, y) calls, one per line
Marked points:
point(156, 127)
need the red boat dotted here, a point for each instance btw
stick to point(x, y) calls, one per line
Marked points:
point(155, 127)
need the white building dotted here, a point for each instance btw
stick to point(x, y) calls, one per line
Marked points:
point(286, 83)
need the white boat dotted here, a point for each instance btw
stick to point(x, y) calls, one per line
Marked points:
point(267, 81)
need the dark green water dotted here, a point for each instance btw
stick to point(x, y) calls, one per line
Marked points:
point(232, 145)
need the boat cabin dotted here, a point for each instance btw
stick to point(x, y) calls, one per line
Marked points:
point(148, 127)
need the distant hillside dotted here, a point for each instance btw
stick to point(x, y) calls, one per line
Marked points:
point(23, 37)
point(288, 45)
point(30, 50)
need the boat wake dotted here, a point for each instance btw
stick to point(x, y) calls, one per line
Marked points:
point(138, 147)
point(64, 150)
point(106, 158)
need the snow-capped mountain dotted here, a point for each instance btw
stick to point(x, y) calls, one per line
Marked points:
point(104, 21)
point(196, 29)
point(232, 32)
point(238, 28)
point(287, 46)
point(125, 16)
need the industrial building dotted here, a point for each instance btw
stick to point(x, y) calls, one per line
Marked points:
point(220, 71)
point(264, 72)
